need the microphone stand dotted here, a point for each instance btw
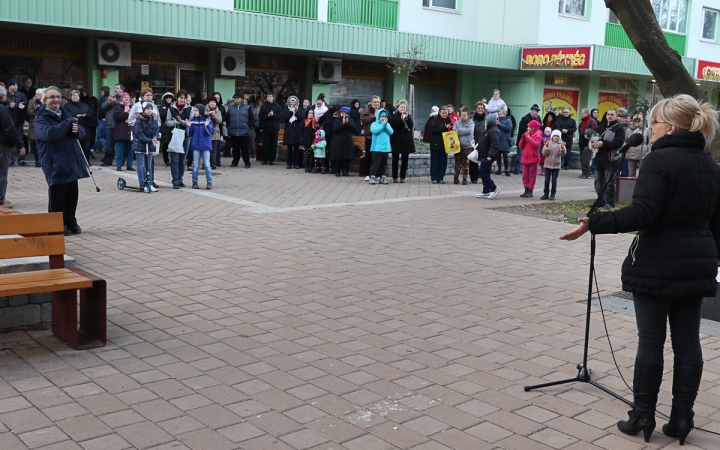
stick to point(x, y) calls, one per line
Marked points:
point(583, 375)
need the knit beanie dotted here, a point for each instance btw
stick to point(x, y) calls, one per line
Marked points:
point(147, 105)
point(435, 110)
point(549, 130)
point(345, 110)
point(556, 133)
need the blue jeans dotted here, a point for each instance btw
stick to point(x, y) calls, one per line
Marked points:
point(123, 149)
point(623, 169)
point(518, 164)
point(485, 169)
point(109, 146)
point(205, 155)
point(602, 176)
point(551, 175)
point(438, 165)
point(651, 316)
point(177, 163)
point(140, 157)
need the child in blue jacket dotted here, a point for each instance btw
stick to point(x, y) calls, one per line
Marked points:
point(380, 148)
point(146, 134)
point(200, 130)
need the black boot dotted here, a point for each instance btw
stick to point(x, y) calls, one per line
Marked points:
point(646, 385)
point(545, 195)
point(456, 180)
point(686, 381)
point(524, 194)
point(552, 195)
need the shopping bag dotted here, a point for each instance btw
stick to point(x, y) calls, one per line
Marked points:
point(176, 143)
point(473, 156)
point(451, 141)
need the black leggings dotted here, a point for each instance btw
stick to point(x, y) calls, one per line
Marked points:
point(396, 157)
point(504, 157)
point(651, 315)
point(64, 198)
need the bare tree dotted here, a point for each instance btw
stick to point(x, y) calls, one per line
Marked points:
point(638, 19)
point(412, 59)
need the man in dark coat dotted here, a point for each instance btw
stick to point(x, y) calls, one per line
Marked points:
point(8, 139)
point(612, 138)
point(567, 127)
point(367, 118)
point(488, 151)
point(270, 117)
point(532, 115)
point(17, 103)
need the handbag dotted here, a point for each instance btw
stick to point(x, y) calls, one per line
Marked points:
point(451, 141)
point(176, 143)
point(510, 142)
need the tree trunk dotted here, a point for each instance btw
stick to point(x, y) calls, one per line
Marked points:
point(638, 19)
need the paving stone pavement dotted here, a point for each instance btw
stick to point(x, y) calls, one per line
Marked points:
point(297, 311)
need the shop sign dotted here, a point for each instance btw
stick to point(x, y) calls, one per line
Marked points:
point(145, 69)
point(556, 58)
point(559, 99)
point(707, 70)
point(607, 100)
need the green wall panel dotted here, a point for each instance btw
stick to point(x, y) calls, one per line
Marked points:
point(142, 18)
point(612, 59)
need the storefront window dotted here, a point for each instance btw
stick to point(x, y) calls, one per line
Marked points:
point(161, 78)
point(282, 85)
point(66, 74)
point(193, 81)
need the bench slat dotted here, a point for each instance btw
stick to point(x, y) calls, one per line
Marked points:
point(32, 246)
point(41, 281)
point(31, 223)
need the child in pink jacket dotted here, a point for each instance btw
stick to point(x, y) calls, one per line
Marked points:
point(530, 143)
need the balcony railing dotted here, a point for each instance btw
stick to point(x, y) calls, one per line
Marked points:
point(367, 13)
point(302, 9)
point(615, 36)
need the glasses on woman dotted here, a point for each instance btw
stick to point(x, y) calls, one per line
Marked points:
point(53, 97)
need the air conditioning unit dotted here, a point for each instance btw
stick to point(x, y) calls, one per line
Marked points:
point(113, 53)
point(232, 62)
point(329, 70)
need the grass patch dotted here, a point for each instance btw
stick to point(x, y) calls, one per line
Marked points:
point(567, 212)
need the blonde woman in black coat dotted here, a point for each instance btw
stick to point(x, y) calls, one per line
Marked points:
point(673, 261)
point(401, 140)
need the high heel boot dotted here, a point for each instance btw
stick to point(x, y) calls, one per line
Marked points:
point(686, 381)
point(646, 385)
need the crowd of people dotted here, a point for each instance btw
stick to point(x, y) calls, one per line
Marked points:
point(323, 136)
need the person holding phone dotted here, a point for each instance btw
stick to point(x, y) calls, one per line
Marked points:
point(123, 131)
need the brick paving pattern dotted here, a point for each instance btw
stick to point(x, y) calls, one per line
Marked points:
point(297, 311)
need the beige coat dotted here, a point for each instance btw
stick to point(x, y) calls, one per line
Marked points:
point(554, 153)
point(642, 150)
point(217, 120)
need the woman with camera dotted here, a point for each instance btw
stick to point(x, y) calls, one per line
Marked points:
point(673, 261)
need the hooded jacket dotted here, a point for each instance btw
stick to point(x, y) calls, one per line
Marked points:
point(355, 113)
point(144, 131)
point(381, 132)
point(58, 148)
point(342, 144)
point(200, 134)
point(489, 143)
point(506, 127)
point(530, 143)
point(676, 208)
point(137, 109)
point(554, 152)
point(466, 132)
point(319, 144)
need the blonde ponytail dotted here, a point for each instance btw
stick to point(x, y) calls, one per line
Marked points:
point(687, 114)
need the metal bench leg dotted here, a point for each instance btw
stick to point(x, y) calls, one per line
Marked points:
point(64, 316)
point(93, 313)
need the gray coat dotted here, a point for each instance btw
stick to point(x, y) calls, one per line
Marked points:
point(107, 107)
point(466, 132)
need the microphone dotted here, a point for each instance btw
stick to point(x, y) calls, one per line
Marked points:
point(634, 140)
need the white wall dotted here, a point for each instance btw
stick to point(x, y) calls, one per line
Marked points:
point(695, 47)
point(564, 30)
point(214, 4)
point(412, 17)
point(509, 22)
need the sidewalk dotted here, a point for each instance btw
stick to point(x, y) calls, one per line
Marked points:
point(285, 310)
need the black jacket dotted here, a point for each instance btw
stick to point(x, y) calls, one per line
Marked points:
point(522, 128)
point(479, 130)
point(267, 122)
point(676, 208)
point(343, 146)
point(613, 137)
point(402, 138)
point(8, 133)
point(88, 122)
point(489, 143)
point(569, 124)
point(293, 131)
point(355, 116)
point(437, 129)
point(18, 115)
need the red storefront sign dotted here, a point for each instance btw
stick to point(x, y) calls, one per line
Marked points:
point(707, 70)
point(556, 58)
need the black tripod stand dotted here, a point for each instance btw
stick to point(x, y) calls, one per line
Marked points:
point(583, 375)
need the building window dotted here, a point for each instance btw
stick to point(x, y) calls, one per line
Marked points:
point(443, 4)
point(613, 18)
point(572, 8)
point(710, 24)
point(671, 14)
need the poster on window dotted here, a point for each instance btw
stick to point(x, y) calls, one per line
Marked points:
point(557, 99)
point(607, 100)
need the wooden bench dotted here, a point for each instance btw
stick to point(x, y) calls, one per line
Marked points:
point(42, 235)
point(360, 142)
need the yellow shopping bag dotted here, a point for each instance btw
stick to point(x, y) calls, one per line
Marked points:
point(451, 141)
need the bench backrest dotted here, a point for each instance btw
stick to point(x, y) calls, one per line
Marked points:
point(359, 141)
point(40, 235)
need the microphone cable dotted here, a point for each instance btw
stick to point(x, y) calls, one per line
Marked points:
point(612, 352)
